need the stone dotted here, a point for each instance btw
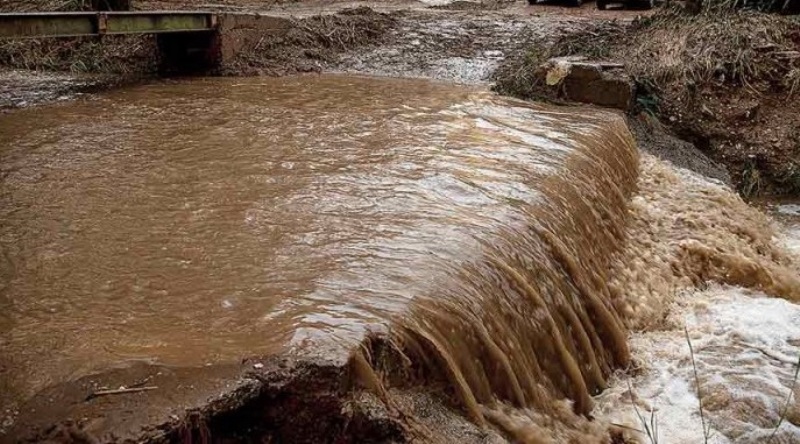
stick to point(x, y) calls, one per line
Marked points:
point(599, 83)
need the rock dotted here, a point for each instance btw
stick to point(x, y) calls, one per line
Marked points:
point(596, 82)
point(707, 113)
point(750, 112)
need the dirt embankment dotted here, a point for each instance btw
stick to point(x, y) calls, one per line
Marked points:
point(308, 45)
point(726, 81)
point(312, 43)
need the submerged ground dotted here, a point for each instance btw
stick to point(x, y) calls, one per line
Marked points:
point(506, 269)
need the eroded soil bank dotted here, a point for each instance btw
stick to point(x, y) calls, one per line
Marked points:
point(722, 80)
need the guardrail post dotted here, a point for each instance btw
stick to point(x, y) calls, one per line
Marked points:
point(102, 23)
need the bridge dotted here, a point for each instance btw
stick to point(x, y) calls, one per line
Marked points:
point(188, 41)
point(75, 24)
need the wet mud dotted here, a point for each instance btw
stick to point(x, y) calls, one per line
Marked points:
point(23, 88)
point(457, 46)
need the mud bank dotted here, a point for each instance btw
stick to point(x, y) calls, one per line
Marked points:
point(23, 88)
point(722, 80)
point(271, 398)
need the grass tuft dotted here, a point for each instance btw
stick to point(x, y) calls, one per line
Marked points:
point(123, 55)
point(788, 401)
point(650, 427)
point(706, 427)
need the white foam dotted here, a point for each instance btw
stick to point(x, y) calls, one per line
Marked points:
point(792, 240)
point(746, 346)
point(789, 209)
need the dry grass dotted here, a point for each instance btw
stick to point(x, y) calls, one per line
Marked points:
point(62, 5)
point(650, 426)
point(786, 404)
point(44, 5)
point(675, 49)
point(783, 6)
point(123, 55)
point(736, 48)
point(698, 390)
point(346, 29)
point(311, 42)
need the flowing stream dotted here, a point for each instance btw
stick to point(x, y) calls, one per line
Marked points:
point(506, 249)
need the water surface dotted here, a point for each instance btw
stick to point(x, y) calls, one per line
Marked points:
point(195, 222)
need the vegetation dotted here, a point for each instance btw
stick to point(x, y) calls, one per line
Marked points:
point(673, 48)
point(723, 79)
point(782, 6)
point(122, 55)
point(63, 5)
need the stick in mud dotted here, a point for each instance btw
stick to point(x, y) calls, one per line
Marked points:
point(119, 391)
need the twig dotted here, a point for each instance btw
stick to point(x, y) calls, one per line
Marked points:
point(623, 426)
point(654, 420)
point(788, 400)
point(120, 391)
point(697, 384)
point(258, 45)
point(650, 432)
point(142, 382)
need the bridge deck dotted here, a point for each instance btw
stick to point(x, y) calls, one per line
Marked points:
point(70, 24)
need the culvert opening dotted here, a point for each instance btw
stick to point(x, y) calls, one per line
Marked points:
point(188, 53)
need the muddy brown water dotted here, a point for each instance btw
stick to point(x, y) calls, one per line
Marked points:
point(197, 222)
point(503, 248)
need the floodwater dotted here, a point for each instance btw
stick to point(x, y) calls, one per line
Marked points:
point(196, 222)
point(745, 339)
point(505, 249)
